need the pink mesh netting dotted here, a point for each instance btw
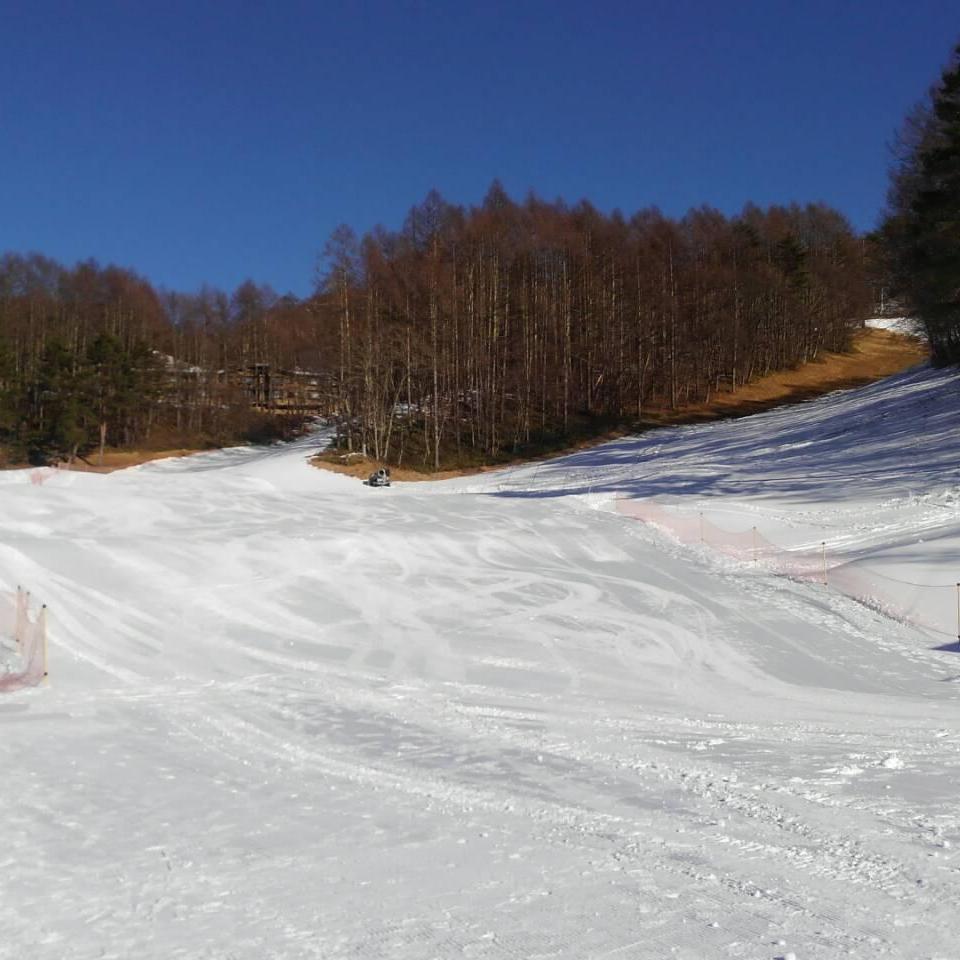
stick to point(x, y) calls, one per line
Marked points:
point(934, 607)
point(23, 640)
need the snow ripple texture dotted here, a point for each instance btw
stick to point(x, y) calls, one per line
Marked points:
point(293, 717)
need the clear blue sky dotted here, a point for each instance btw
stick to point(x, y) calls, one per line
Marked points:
point(211, 141)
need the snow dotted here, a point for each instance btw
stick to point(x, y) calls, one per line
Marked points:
point(293, 717)
point(905, 325)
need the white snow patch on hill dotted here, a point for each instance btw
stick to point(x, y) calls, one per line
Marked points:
point(905, 325)
point(294, 717)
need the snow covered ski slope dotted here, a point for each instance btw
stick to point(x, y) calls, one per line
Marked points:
point(293, 717)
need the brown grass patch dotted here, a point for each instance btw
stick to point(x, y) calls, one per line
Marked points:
point(354, 465)
point(121, 459)
point(875, 354)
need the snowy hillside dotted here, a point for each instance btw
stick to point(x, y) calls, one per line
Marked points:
point(293, 717)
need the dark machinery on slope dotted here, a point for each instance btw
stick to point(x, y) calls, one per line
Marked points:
point(379, 478)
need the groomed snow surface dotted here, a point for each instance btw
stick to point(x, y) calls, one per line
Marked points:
point(293, 717)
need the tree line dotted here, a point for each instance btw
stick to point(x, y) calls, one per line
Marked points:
point(92, 356)
point(470, 334)
point(491, 330)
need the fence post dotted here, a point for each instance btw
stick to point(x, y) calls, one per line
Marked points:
point(42, 627)
point(958, 614)
point(823, 552)
point(20, 618)
point(702, 540)
point(755, 558)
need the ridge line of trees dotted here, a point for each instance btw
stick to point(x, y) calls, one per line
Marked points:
point(486, 331)
point(92, 356)
point(471, 334)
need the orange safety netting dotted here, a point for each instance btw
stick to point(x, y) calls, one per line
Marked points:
point(935, 607)
point(23, 642)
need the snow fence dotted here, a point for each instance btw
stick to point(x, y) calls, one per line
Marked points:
point(23, 642)
point(934, 607)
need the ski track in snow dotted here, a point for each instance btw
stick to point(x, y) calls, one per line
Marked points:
point(292, 717)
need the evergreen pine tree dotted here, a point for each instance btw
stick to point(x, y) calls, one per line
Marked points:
point(60, 420)
point(922, 228)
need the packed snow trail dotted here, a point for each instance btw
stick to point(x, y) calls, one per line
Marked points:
point(293, 717)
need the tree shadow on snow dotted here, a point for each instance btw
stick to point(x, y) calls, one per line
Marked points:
point(893, 438)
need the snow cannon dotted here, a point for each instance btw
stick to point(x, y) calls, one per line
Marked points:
point(379, 478)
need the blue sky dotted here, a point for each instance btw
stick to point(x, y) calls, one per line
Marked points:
point(215, 141)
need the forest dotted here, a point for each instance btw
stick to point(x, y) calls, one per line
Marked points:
point(469, 335)
point(503, 328)
point(93, 356)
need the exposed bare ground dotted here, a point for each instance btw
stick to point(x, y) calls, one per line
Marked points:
point(357, 466)
point(118, 459)
point(875, 354)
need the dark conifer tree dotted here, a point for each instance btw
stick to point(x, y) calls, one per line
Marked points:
point(921, 231)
